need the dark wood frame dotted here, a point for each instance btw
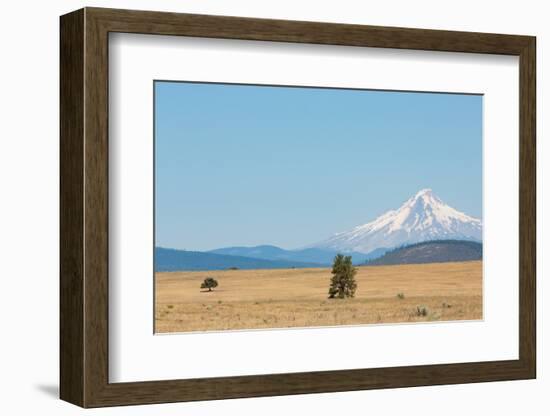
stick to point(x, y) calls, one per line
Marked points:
point(84, 207)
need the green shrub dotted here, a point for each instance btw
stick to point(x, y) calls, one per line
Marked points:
point(422, 311)
point(209, 283)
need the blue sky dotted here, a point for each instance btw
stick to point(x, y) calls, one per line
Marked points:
point(249, 165)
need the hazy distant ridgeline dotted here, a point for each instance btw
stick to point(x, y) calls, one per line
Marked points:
point(271, 257)
point(259, 257)
point(319, 256)
point(167, 260)
point(438, 251)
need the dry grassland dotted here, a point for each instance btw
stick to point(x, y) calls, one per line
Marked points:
point(282, 298)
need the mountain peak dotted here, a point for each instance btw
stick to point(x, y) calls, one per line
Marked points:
point(422, 200)
point(422, 192)
point(422, 217)
point(426, 195)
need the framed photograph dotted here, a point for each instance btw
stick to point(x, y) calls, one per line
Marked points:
point(254, 207)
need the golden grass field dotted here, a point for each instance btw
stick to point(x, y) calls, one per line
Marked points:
point(283, 298)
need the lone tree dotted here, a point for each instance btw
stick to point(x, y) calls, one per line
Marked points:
point(209, 283)
point(342, 283)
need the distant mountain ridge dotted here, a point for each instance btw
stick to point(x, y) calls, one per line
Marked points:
point(167, 260)
point(308, 255)
point(437, 251)
point(422, 217)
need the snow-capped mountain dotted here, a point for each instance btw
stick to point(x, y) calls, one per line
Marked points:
point(422, 217)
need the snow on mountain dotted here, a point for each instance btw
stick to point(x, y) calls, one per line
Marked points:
point(422, 217)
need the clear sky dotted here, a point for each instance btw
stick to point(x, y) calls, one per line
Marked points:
point(249, 165)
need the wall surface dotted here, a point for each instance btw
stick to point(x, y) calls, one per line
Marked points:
point(29, 209)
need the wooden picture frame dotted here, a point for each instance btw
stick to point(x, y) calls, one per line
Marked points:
point(84, 207)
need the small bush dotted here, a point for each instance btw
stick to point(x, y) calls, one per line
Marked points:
point(446, 305)
point(170, 306)
point(422, 311)
point(401, 295)
point(209, 283)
